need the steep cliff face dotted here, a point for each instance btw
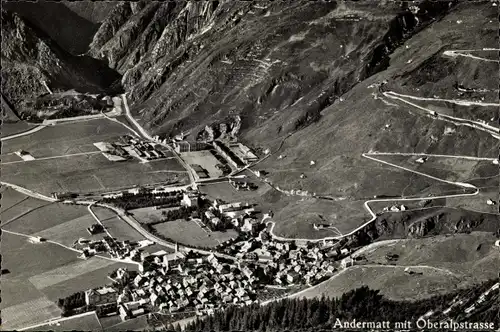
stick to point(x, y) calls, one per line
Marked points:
point(208, 60)
point(66, 27)
point(30, 57)
point(191, 64)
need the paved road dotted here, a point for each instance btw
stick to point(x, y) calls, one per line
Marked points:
point(52, 157)
point(24, 133)
point(430, 155)
point(28, 192)
point(135, 224)
point(493, 131)
point(148, 137)
point(466, 53)
point(373, 214)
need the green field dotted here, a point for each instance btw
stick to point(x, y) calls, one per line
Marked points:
point(29, 313)
point(189, 233)
point(46, 217)
point(118, 228)
point(137, 324)
point(70, 231)
point(64, 139)
point(296, 219)
point(148, 215)
point(12, 128)
point(85, 172)
point(446, 263)
point(41, 273)
point(89, 322)
point(91, 276)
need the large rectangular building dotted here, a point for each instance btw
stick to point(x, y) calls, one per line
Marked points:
point(185, 146)
point(229, 155)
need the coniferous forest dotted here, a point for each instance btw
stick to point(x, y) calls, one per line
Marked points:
point(362, 304)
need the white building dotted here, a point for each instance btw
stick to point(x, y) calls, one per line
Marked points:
point(189, 200)
point(346, 262)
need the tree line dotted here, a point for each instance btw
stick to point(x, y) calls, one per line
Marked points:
point(130, 201)
point(362, 304)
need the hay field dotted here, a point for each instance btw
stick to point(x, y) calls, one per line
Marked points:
point(189, 233)
point(29, 313)
point(89, 322)
point(67, 272)
point(90, 277)
point(70, 231)
point(46, 217)
point(68, 138)
point(86, 171)
point(12, 128)
point(118, 228)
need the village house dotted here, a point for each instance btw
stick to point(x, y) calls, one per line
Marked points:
point(100, 296)
point(346, 262)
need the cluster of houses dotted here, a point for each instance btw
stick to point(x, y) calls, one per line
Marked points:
point(394, 208)
point(287, 264)
point(242, 185)
point(173, 282)
point(116, 249)
point(240, 215)
point(142, 150)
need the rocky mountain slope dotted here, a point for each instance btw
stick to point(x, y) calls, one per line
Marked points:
point(61, 21)
point(30, 58)
point(305, 69)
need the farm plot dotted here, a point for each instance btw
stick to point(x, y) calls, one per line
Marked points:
point(89, 277)
point(14, 204)
point(76, 165)
point(46, 216)
point(29, 313)
point(12, 128)
point(118, 228)
point(70, 231)
point(63, 139)
point(88, 322)
point(67, 272)
point(189, 233)
point(205, 159)
point(10, 157)
point(22, 304)
point(136, 324)
point(25, 259)
point(149, 215)
point(90, 173)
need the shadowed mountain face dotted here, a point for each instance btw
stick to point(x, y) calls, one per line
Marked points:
point(30, 57)
point(63, 25)
point(188, 64)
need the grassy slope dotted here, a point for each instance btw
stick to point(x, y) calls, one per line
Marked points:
point(457, 254)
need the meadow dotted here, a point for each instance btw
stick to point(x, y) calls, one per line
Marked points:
point(76, 165)
point(189, 233)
